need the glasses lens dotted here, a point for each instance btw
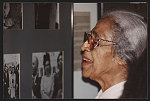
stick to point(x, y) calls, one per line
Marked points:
point(88, 37)
point(91, 42)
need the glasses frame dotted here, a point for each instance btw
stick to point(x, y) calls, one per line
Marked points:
point(89, 34)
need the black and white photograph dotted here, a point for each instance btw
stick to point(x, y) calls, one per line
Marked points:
point(47, 75)
point(12, 15)
point(46, 15)
point(11, 76)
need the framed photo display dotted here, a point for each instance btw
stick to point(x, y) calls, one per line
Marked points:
point(46, 15)
point(11, 76)
point(47, 75)
point(12, 15)
point(33, 43)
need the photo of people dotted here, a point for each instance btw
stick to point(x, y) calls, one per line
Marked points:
point(11, 75)
point(47, 75)
point(46, 15)
point(12, 15)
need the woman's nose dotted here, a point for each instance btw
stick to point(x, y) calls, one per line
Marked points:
point(85, 46)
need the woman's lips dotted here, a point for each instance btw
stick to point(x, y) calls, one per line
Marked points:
point(86, 61)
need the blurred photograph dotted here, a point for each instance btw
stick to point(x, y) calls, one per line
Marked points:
point(11, 75)
point(12, 15)
point(47, 75)
point(46, 15)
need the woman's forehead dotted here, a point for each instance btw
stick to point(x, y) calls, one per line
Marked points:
point(103, 26)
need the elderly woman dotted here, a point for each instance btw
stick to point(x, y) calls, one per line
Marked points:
point(118, 39)
point(47, 81)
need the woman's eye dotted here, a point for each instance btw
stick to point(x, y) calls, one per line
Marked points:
point(95, 42)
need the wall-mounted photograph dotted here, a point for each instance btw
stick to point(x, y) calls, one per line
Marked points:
point(46, 15)
point(12, 15)
point(47, 75)
point(11, 76)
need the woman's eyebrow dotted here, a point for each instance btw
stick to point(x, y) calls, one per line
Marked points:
point(95, 34)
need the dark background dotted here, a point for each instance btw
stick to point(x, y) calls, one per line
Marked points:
point(30, 40)
point(139, 8)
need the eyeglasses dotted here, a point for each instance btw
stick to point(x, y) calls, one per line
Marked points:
point(94, 40)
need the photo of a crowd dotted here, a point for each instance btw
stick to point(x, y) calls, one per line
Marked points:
point(47, 75)
point(11, 75)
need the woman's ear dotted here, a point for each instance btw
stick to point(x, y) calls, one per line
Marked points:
point(119, 61)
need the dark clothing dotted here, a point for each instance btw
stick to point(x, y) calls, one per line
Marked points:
point(6, 85)
point(36, 87)
point(58, 85)
point(17, 82)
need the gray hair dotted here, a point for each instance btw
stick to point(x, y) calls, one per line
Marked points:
point(130, 34)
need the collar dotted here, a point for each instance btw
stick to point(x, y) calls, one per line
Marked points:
point(114, 92)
